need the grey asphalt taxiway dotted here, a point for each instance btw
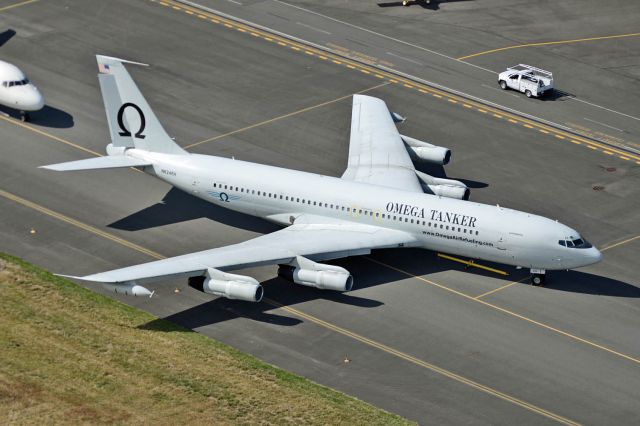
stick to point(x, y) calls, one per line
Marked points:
point(420, 335)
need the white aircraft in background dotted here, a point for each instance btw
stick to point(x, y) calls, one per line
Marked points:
point(17, 92)
point(379, 202)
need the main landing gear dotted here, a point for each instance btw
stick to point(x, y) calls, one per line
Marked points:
point(538, 277)
point(24, 116)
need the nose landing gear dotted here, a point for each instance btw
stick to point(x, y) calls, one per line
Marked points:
point(24, 116)
point(538, 277)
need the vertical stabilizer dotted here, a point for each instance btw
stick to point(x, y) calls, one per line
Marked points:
point(132, 123)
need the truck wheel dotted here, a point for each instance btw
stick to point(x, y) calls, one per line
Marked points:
point(528, 93)
point(503, 84)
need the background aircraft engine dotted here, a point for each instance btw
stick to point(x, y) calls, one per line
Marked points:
point(231, 286)
point(424, 151)
point(324, 277)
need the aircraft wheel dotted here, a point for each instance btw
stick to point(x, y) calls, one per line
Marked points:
point(528, 93)
point(503, 84)
point(24, 116)
point(538, 279)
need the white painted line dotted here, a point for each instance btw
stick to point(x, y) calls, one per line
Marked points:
point(606, 109)
point(500, 90)
point(605, 125)
point(313, 28)
point(236, 2)
point(384, 36)
point(393, 71)
point(404, 59)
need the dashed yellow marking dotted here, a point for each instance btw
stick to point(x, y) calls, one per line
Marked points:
point(497, 115)
point(268, 38)
point(282, 44)
point(624, 158)
point(309, 52)
point(176, 7)
point(324, 58)
point(393, 81)
point(350, 66)
point(484, 111)
point(543, 131)
point(202, 17)
point(255, 35)
point(453, 101)
point(408, 86)
point(575, 141)
point(422, 91)
point(188, 12)
point(528, 126)
point(164, 4)
point(559, 136)
point(242, 30)
point(591, 147)
point(435, 95)
point(472, 264)
point(467, 106)
point(364, 71)
point(511, 120)
point(336, 62)
point(294, 47)
point(379, 76)
point(608, 152)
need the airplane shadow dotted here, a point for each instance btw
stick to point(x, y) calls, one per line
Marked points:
point(178, 206)
point(48, 116)
point(370, 271)
point(425, 4)
point(5, 36)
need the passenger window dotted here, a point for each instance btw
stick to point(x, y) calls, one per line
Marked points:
point(383, 216)
point(441, 226)
point(465, 230)
point(476, 232)
point(214, 184)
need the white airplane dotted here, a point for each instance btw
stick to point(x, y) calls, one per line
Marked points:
point(17, 92)
point(379, 202)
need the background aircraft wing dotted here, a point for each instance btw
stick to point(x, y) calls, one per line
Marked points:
point(316, 241)
point(377, 154)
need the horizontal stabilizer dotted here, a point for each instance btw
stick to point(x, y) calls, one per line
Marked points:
point(107, 162)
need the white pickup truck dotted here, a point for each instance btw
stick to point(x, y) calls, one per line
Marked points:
point(529, 80)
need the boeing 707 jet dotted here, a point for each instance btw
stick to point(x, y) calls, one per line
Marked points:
point(381, 201)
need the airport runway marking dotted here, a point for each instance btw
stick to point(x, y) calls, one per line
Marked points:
point(271, 120)
point(471, 263)
point(495, 290)
point(354, 65)
point(317, 321)
point(507, 311)
point(620, 243)
point(13, 6)
point(547, 43)
point(49, 135)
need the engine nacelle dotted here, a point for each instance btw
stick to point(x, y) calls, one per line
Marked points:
point(450, 188)
point(424, 151)
point(231, 286)
point(318, 275)
point(128, 289)
point(450, 191)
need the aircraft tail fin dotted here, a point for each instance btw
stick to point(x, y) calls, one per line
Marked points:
point(132, 123)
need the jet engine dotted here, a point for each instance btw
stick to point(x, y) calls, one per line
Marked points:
point(450, 188)
point(231, 286)
point(318, 275)
point(423, 151)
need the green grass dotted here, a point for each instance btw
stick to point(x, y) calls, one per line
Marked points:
point(68, 355)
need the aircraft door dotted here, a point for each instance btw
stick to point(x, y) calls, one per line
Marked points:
point(506, 246)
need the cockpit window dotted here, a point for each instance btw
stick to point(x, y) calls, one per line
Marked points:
point(15, 83)
point(575, 243)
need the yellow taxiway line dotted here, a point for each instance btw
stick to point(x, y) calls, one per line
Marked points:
point(296, 312)
point(13, 6)
point(472, 264)
point(394, 79)
point(620, 243)
point(547, 43)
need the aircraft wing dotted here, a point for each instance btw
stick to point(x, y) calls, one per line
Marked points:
point(376, 152)
point(316, 241)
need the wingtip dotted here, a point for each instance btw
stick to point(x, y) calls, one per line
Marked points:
point(106, 58)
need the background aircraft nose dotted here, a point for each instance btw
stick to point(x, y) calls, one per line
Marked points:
point(30, 99)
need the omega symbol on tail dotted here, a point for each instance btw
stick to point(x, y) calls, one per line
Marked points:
point(125, 131)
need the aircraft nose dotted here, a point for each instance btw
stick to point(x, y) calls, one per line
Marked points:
point(594, 255)
point(30, 99)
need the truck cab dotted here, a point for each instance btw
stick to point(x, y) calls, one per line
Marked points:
point(531, 81)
